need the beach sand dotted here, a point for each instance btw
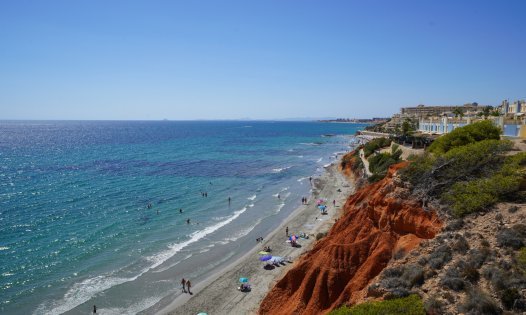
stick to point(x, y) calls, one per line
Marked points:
point(219, 294)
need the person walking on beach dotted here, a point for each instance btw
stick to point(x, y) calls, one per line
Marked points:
point(287, 231)
point(188, 285)
point(334, 203)
point(183, 283)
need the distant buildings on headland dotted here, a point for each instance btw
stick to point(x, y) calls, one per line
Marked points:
point(374, 120)
point(511, 117)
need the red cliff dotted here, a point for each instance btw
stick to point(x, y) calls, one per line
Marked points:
point(378, 220)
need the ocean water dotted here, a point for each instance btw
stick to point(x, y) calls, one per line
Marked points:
point(75, 226)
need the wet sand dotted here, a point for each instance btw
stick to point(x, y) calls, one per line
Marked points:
point(219, 294)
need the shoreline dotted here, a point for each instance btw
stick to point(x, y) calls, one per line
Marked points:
point(218, 294)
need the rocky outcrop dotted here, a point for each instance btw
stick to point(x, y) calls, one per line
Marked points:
point(378, 221)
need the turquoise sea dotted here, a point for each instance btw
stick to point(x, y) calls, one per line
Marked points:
point(76, 228)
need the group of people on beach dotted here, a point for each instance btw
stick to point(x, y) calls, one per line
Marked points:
point(186, 285)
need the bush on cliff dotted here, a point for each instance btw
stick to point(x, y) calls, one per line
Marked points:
point(521, 260)
point(470, 196)
point(411, 305)
point(434, 174)
point(379, 163)
point(469, 178)
point(374, 145)
point(478, 302)
point(472, 133)
point(349, 159)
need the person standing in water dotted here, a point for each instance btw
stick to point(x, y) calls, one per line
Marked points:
point(181, 210)
point(183, 283)
point(94, 309)
point(187, 221)
point(188, 285)
point(229, 200)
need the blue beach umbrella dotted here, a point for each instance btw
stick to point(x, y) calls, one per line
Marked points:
point(265, 258)
point(243, 280)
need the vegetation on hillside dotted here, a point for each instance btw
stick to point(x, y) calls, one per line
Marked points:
point(467, 169)
point(352, 160)
point(473, 272)
point(483, 130)
point(379, 163)
point(411, 305)
point(375, 144)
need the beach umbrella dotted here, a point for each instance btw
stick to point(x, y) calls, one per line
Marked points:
point(265, 258)
point(243, 280)
point(263, 252)
point(202, 313)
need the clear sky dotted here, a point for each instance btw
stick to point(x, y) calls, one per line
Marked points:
point(255, 59)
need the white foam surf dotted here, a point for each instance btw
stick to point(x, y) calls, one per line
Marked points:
point(132, 309)
point(242, 233)
point(281, 169)
point(83, 291)
point(252, 198)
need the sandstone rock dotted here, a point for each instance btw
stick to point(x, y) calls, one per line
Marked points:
point(339, 269)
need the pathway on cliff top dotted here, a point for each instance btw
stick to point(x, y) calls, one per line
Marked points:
point(365, 163)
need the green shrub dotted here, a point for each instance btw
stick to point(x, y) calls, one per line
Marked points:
point(476, 257)
point(509, 238)
point(472, 133)
point(509, 296)
point(440, 256)
point(461, 245)
point(374, 145)
point(470, 273)
point(435, 175)
point(434, 306)
point(455, 284)
point(379, 164)
point(476, 195)
point(521, 260)
point(411, 305)
point(350, 158)
point(478, 302)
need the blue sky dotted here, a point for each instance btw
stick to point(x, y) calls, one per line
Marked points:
point(255, 59)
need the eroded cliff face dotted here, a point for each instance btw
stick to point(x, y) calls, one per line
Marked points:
point(378, 221)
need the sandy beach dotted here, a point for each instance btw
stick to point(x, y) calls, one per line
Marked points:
point(219, 294)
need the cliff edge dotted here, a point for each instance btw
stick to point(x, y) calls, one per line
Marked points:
point(378, 221)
